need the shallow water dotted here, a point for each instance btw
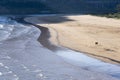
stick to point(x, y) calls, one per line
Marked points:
point(10, 29)
point(89, 63)
point(22, 57)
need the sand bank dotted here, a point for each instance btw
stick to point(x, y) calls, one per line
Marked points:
point(98, 37)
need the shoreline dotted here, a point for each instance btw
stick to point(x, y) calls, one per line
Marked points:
point(51, 24)
point(44, 36)
point(67, 54)
point(30, 56)
point(44, 40)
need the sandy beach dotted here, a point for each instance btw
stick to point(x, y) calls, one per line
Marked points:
point(98, 37)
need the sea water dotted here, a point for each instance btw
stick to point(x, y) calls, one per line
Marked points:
point(89, 63)
point(22, 57)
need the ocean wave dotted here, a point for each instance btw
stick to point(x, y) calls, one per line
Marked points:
point(10, 29)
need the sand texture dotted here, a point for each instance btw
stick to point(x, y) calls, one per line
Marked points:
point(98, 37)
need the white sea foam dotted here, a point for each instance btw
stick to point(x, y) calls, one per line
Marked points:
point(11, 29)
point(25, 49)
point(5, 28)
point(1, 73)
point(89, 63)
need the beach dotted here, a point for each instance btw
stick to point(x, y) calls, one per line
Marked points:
point(25, 55)
point(97, 37)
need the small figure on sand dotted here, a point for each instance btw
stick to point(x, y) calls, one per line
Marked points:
point(96, 43)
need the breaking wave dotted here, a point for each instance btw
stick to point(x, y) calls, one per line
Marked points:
point(11, 29)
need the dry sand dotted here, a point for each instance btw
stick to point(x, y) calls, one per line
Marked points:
point(98, 37)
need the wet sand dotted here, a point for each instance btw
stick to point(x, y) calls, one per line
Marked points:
point(96, 36)
point(22, 56)
point(44, 36)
